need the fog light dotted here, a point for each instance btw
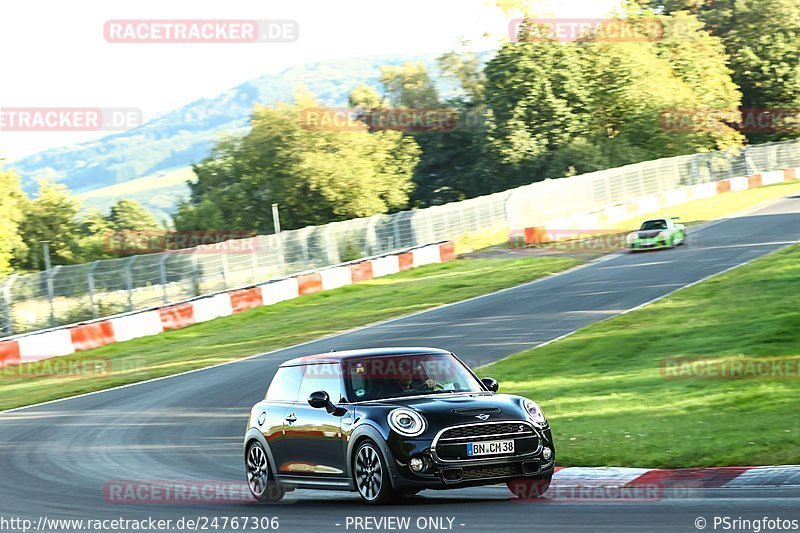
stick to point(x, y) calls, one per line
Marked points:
point(547, 453)
point(416, 464)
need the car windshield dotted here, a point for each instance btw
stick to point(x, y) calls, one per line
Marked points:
point(381, 377)
point(653, 224)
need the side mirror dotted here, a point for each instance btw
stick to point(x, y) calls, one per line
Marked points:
point(320, 399)
point(490, 384)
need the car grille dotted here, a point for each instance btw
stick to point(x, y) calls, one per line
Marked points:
point(485, 472)
point(485, 430)
point(452, 444)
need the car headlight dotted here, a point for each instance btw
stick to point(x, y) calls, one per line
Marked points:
point(535, 413)
point(406, 422)
point(663, 233)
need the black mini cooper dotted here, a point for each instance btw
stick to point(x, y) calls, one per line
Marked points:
point(389, 423)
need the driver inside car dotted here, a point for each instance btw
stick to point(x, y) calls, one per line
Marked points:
point(403, 382)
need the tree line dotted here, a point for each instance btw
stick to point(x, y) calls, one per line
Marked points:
point(538, 108)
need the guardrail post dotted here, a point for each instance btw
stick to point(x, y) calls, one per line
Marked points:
point(129, 280)
point(254, 257)
point(225, 270)
point(195, 275)
point(49, 273)
point(9, 323)
point(90, 284)
point(162, 268)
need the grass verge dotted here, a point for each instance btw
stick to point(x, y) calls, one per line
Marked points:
point(610, 402)
point(267, 328)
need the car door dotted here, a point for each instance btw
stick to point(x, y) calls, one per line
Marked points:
point(314, 444)
point(271, 414)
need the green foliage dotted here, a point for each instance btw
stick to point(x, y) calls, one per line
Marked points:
point(129, 215)
point(410, 86)
point(764, 58)
point(12, 204)
point(50, 216)
point(564, 108)
point(316, 176)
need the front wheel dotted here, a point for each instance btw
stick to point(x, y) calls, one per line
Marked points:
point(371, 475)
point(529, 489)
point(259, 479)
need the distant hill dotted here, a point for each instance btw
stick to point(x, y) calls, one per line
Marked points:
point(174, 140)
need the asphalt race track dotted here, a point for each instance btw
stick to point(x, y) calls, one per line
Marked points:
point(55, 459)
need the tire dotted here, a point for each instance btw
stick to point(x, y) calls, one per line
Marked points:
point(529, 488)
point(371, 475)
point(259, 476)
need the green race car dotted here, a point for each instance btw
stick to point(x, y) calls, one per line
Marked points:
point(657, 233)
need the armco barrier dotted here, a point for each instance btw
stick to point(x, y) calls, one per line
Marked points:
point(278, 291)
point(9, 353)
point(212, 307)
point(309, 283)
point(93, 335)
point(426, 255)
point(385, 266)
point(361, 271)
point(333, 278)
point(771, 178)
point(45, 345)
point(447, 252)
point(177, 316)
point(739, 184)
point(137, 325)
point(246, 299)
point(80, 337)
point(405, 261)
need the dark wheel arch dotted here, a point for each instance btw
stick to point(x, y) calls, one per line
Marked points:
point(369, 432)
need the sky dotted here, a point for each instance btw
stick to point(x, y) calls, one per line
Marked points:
point(55, 54)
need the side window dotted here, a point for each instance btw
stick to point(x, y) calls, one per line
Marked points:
point(327, 377)
point(285, 384)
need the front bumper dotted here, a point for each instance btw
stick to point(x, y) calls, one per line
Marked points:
point(458, 471)
point(649, 244)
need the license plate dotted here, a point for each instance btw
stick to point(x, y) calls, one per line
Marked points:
point(490, 447)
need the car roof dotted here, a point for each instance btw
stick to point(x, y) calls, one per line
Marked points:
point(656, 220)
point(338, 357)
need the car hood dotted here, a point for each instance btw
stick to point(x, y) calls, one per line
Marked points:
point(649, 234)
point(448, 410)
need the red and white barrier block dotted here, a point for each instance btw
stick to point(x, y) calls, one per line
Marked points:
point(70, 339)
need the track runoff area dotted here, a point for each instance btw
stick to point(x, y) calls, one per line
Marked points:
point(78, 458)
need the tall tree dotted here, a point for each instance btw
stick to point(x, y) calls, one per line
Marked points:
point(12, 206)
point(410, 86)
point(130, 215)
point(50, 216)
point(765, 58)
point(316, 176)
